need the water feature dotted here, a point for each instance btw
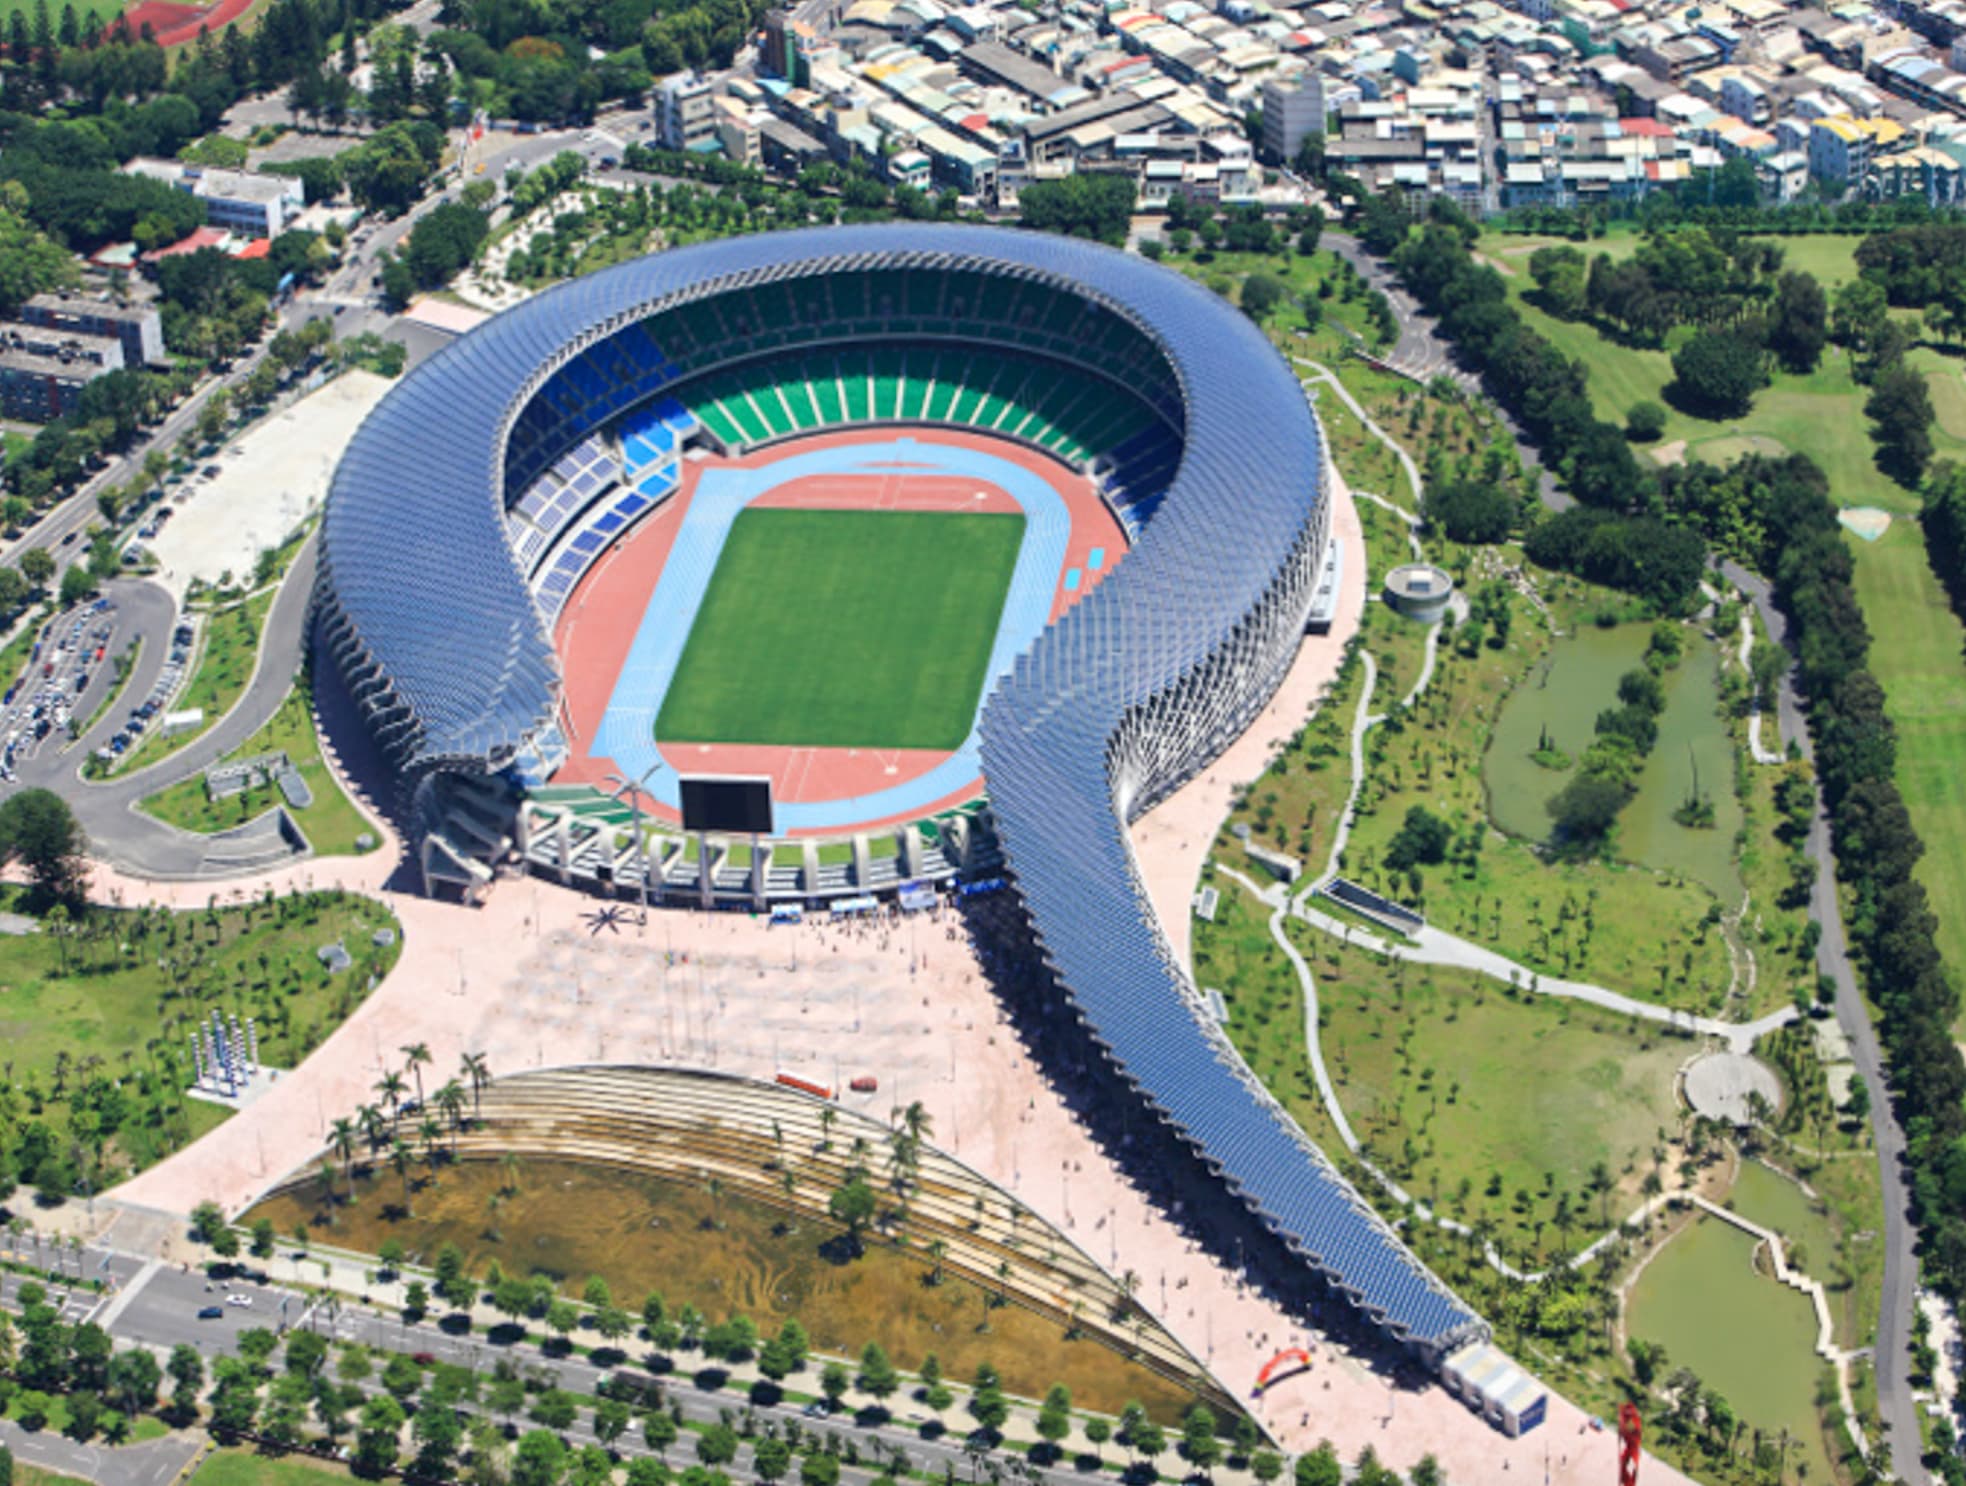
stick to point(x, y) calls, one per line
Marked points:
point(1560, 699)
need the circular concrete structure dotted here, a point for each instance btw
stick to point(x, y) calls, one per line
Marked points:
point(1718, 1085)
point(1420, 591)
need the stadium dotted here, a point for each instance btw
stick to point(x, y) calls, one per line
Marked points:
point(806, 567)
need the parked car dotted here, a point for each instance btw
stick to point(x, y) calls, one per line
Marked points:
point(210, 1312)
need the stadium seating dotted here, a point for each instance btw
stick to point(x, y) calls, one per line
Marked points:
point(1075, 416)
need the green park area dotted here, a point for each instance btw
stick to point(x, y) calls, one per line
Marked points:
point(845, 629)
point(1918, 653)
point(332, 824)
point(1742, 1335)
point(1531, 1119)
point(1818, 413)
point(95, 1009)
point(238, 1467)
point(728, 1255)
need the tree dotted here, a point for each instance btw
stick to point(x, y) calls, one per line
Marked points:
point(1261, 294)
point(1644, 422)
point(852, 1204)
point(38, 830)
point(540, 1460)
point(37, 565)
point(1560, 275)
point(819, 1469)
point(1856, 1104)
point(1198, 1441)
point(1470, 510)
point(717, 1445)
point(134, 1377)
point(834, 1382)
point(1900, 410)
point(612, 1417)
point(659, 1430)
point(1093, 204)
point(376, 1437)
point(1718, 372)
point(878, 1379)
point(770, 1459)
point(554, 1409)
point(1055, 1416)
point(1423, 837)
point(1799, 325)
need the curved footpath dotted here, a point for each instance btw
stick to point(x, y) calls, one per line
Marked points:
point(1899, 1294)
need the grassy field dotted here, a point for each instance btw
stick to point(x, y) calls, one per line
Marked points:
point(113, 996)
point(1918, 652)
point(225, 661)
point(845, 629)
point(1495, 1106)
point(237, 1467)
point(1744, 1335)
point(332, 823)
point(726, 1255)
point(1820, 414)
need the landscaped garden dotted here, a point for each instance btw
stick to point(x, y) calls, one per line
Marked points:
point(724, 1255)
point(95, 1009)
point(332, 824)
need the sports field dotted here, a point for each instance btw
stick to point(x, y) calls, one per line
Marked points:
point(844, 629)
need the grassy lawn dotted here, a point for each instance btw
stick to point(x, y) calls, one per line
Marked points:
point(878, 634)
point(1744, 1335)
point(1918, 653)
point(724, 1254)
point(237, 1467)
point(112, 998)
point(1493, 1105)
point(226, 657)
point(331, 823)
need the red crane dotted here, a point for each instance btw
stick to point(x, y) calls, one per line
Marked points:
point(1629, 1433)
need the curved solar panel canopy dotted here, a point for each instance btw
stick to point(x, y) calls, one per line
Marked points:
point(1136, 688)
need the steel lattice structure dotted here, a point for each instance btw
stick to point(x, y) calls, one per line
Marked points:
point(1117, 704)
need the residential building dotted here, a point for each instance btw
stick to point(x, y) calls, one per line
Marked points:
point(139, 328)
point(684, 118)
point(43, 371)
point(1293, 107)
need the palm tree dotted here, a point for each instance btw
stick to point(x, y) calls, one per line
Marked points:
point(418, 1054)
point(327, 1185)
point(476, 1069)
point(937, 1252)
point(432, 1135)
point(450, 1099)
point(391, 1087)
point(342, 1138)
point(372, 1120)
point(400, 1158)
point(510, 1164)
point(917, 1121)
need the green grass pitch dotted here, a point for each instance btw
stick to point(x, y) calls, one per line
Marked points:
point(844, 629)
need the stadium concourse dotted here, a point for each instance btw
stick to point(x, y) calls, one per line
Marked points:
point(542, 982)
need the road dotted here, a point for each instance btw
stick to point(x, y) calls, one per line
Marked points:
point(157, 1305)
point(1899, 1297)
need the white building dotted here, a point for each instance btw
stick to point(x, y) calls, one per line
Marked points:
point(684, 118)
point(1292, 108)
point(236, 200)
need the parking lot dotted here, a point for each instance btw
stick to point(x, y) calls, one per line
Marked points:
point(69, 671)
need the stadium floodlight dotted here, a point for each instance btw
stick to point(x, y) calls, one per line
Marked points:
point(634, 789)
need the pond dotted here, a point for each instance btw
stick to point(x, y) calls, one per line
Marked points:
point(1747, 1337)
point(1563, 693)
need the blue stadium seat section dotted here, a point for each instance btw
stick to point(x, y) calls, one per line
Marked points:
point(1213, 459)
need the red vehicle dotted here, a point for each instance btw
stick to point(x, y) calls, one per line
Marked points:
point(805, 1086)
point(99, 651)
point(865, 1084)
point(47, 668)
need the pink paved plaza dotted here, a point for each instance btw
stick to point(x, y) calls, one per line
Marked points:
point(538, 978)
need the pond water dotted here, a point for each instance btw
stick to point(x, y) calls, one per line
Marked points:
point(1564, 693)
point(1748, 1337)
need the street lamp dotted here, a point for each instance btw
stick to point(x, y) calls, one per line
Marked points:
point(634, 789)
